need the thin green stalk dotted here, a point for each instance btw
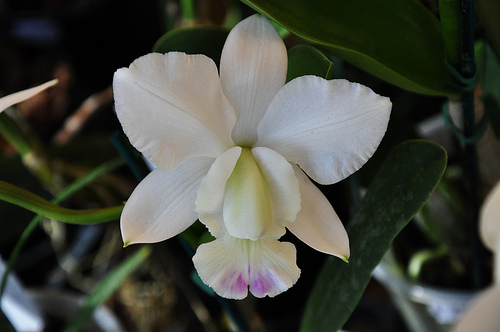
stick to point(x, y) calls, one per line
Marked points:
point(30, 201)
point(89, 177)
point(188, 9)
point(30, 151)
point(65, 193)
point(105, 288)
point(15, 253)
point(468, 70)
point(13, 135)
point(418, 260)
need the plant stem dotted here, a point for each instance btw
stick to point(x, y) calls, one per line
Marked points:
point(188, 10)
point(468, 70)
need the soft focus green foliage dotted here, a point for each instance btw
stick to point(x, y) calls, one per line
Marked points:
point(404, 182)
point(63, 195)
point(106, 288)
point(306, 60)
point(399, 41)
point(207, 40)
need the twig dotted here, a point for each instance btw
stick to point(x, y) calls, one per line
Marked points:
point(74, 124)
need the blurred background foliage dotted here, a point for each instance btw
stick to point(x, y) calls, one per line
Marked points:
point(72, 129)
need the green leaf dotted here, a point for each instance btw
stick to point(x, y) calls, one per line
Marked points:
point(106, 288)
point(207, 40)
point(404, 182)
point(449, 12)
point(488, 65)
point(488, 11)
point(399, 41)
point(28, 200)
point(306, 60)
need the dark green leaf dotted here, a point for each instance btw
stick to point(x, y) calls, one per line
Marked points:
point(488, 11)
point(404, 182)
point(399, 41)
point(488, 65)
point(306, 60)
point(449, 12)
point(207, 40)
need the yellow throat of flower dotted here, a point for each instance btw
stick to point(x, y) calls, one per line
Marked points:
point(248, 209)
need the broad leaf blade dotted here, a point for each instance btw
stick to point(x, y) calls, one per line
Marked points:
point(306, 60)
point(207, 40)
point(404, 182)
point(399, 41)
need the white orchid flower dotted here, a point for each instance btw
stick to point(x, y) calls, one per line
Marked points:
point(227, 148)
point(17, 97)
point(482, 315)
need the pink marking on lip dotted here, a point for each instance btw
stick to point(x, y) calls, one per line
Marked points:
point(240, 285)
point(260, 285)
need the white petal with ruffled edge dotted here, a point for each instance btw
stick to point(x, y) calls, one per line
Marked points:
point(210, 196)
point(329, 128)
point(172, 108)
point(17, 97)
point(252, 69)
point(232, 266)
point(317, 224)
point(162, 205)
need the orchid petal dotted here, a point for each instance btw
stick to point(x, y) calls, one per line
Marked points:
point(252, 70)
point(17, 97)
point(172, 108)
point(489, 221)
point(329, 128)
point(162, 205)
point(210, 196)
point(482, 314)
point(317, 224)
point(230, 266)
point(283, 188)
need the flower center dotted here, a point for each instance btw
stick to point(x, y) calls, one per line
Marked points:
point(247, 210)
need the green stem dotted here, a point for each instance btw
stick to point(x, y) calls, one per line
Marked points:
point(11, 132)
point(468, 70)
point(105, 288)
point(35, 203)
point(418, 261)
point(30, 151)
point(188, 10)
